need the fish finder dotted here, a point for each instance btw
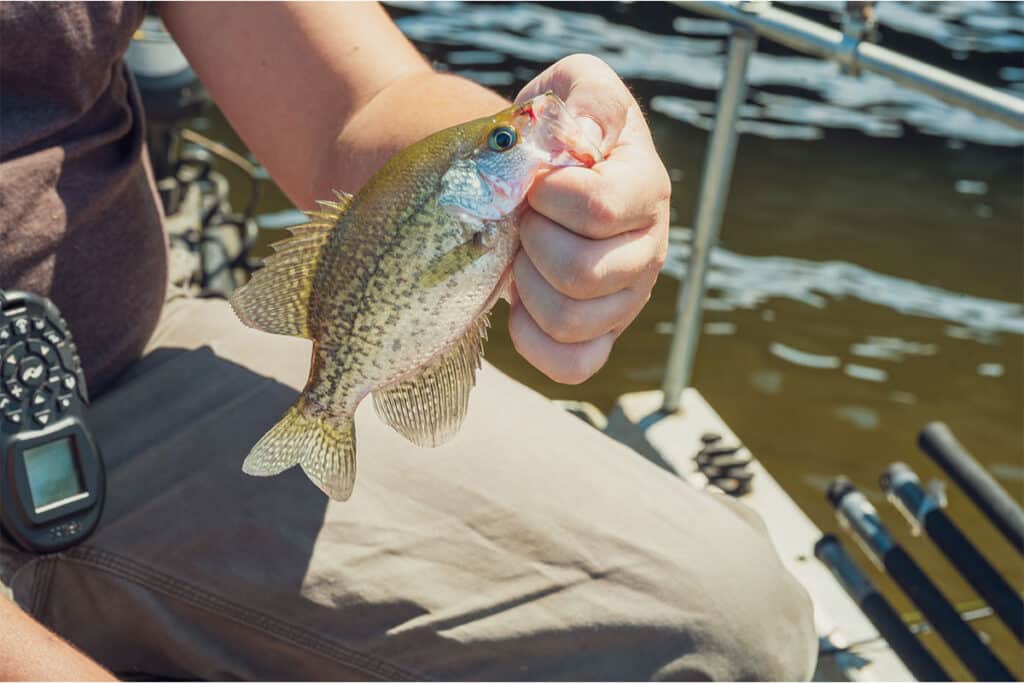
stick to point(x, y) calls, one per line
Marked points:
point(52, 480)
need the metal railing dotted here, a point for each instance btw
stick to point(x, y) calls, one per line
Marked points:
point(750, 20)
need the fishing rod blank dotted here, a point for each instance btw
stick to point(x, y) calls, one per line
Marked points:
point(939, 443)
point(890, 626)
point(922, 509)
point(858, 516)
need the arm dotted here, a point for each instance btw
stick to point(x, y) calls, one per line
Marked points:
point(325, 93)
point(28, 652)
point(322, 93)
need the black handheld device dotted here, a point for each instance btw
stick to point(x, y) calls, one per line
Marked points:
point(52, 480)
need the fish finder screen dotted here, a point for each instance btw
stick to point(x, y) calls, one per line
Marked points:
point(53, 474)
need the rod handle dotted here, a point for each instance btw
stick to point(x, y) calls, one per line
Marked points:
point(879, 612)
point(979, 572)
point(938, 442)
point(944, 618)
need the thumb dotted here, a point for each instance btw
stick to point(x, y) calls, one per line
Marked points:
point(592, 92)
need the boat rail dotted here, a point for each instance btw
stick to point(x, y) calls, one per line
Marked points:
point(854, 53)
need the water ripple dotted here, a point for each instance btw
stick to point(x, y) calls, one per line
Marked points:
point(746, 282)
point(804, 358)
point(872, 104)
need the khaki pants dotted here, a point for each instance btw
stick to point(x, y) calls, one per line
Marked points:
point(530, 547)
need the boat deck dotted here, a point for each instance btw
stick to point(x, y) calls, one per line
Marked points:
point(672, 440)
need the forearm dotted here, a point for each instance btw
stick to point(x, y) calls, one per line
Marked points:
point(29, 652)
point(406, 111)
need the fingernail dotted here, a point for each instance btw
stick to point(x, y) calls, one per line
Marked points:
point(592, 131)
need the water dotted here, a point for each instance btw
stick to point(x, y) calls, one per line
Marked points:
point(869, 278)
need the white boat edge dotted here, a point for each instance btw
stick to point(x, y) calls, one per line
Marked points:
point(637, 421)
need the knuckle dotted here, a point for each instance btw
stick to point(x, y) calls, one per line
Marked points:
point(599, 213)
point(570, 323)
point(654, 216)
point(581, 276)
point(658, 232)
point(663, 187)
point(660, 256)
point(660, 198)
point(594, 214)
point(584, 205)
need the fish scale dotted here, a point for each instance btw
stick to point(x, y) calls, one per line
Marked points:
point(395, 284)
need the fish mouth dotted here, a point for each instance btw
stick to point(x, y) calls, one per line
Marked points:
point(557, 133)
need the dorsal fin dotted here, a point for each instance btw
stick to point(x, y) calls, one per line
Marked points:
point(276, 299)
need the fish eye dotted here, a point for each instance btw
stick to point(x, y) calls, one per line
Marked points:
point(502, 139)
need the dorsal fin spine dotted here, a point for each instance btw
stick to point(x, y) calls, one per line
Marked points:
point(276, 299)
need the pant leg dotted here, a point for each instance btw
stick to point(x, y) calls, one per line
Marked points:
point(530, 547)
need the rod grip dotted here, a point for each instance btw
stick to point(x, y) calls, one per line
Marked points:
point(983, 577)
point(891, 627)
point(877, 609)
point(938, 442)
point(944, 618)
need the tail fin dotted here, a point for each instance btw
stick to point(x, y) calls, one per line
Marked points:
point(324, 446)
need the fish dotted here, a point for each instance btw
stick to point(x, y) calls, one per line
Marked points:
point(394, 286)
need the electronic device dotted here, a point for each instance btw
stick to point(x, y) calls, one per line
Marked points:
point(52, 481)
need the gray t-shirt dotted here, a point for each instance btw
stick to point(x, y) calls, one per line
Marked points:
point(80, 220)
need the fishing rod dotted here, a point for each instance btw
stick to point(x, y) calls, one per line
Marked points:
point(938, 442)
point(923, 510)
point(859, 517)
point(890, 626)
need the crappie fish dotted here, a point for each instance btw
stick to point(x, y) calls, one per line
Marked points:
point(395, 285)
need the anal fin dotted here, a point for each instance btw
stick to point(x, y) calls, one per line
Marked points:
point(428, 409)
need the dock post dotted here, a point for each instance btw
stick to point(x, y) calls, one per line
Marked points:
point(710, 205)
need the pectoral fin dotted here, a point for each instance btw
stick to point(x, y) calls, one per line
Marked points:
point(429, 408)
point(454, 261)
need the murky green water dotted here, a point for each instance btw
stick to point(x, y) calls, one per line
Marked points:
point(870, 274)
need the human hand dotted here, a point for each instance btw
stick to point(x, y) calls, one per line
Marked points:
point(593, 239)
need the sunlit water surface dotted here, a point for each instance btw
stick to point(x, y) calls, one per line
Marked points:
point(869, 277)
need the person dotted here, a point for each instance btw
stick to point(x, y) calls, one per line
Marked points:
point(530, 547)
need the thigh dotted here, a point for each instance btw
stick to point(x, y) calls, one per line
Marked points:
point(531, 546)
